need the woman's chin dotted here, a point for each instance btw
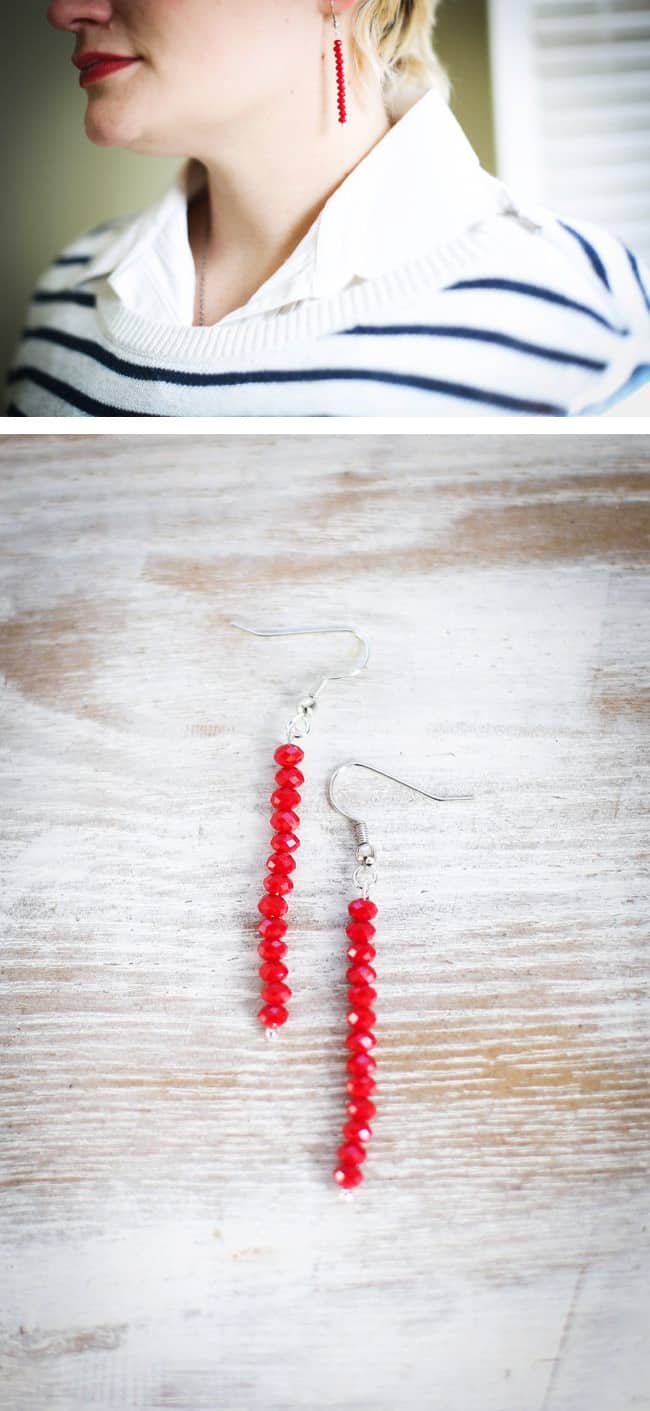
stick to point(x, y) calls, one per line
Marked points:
point(109, 125)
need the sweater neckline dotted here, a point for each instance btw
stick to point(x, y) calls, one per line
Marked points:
point(195, 347)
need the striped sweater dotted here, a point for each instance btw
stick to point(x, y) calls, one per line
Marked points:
point(515, 316)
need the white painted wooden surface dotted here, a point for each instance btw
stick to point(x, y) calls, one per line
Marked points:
point(171, 1234)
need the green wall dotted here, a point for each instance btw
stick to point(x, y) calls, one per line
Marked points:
point(58, 184)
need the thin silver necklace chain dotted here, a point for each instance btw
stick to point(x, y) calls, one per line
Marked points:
point(204, 256)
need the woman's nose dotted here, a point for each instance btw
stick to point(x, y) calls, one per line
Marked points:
point(73, 14)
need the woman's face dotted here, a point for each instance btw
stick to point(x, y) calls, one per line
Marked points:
point(201, 64)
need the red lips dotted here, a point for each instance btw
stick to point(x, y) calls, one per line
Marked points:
point(95, 65)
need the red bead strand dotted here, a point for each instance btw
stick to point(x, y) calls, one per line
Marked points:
point(360, 1063)
point(340, 80)
point(277, 885)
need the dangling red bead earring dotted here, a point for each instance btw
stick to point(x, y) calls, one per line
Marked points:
point(273, 905)
point(340, 69)
point(361, 1064)
point(285, 822)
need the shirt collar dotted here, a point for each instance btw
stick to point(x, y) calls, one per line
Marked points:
point(151, 251)
point(420, 185)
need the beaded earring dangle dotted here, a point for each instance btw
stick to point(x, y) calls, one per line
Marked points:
point(339, 67)
point(285, 822)
point(361, 1065)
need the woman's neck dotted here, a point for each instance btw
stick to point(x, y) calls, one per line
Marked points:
point(266, 184)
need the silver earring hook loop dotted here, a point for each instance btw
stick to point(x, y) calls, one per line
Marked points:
point(316, 630)
point(359, 764)
point(300, 723)
point(365, 874)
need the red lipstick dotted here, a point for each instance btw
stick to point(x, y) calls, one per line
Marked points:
point(94, 65)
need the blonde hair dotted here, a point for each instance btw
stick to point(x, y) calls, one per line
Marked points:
point(392, 40)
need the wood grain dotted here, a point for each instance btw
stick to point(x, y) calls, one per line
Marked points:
point(172, 1237)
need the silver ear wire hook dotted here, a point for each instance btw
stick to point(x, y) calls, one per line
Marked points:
point(359, 764)
point(301, 722)
point(366, 872)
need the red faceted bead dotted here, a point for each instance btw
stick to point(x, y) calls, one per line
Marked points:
point(360, 930)
point(361, 1064)
point(271, 950)
point(276, 993)
point(285, 798)
point(278, 885)
point(361, 1018)
point(360, 974)
point(285, 842)
point(360, 1041)
point(351, 1154)
point(357, 1131)
point(272, 907)
point(361, 996)
point(285, 821)
point(361, 1109)
point(289, 778)
point(272, 930)
point(288, 754)
point(272, 1015)
point(348, 1176)
point(362, 909)
point(359, 1087)
point(281, 862)
point(272, 971)
point(361, 954)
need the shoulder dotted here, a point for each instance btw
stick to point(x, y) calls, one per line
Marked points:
point(60, 310)
point(612, 284)
point(582, 261)
point(567, 290)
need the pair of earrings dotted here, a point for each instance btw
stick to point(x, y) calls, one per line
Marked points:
point(360, 931)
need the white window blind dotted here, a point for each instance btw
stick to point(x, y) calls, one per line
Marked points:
point(571, 86)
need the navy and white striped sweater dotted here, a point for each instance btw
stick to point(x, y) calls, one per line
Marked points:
point(515, 317)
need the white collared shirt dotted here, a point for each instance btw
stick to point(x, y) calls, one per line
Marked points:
point(421, 288)
point(419, 186)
